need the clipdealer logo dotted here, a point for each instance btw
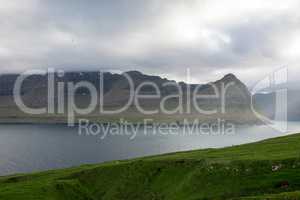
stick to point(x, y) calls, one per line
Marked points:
point(276, 85)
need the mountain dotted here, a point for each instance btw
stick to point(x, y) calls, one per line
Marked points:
point(233, 104)
point(237, 92)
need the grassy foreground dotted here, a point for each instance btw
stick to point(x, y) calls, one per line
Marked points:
point(264, 170)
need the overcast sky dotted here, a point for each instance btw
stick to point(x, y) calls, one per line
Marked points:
point(250, 38)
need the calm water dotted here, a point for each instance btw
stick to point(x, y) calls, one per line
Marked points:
point(27, 148)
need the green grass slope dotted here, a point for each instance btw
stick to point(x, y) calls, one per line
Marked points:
point(264, 170)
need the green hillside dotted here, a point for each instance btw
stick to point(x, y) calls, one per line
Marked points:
point(265, 170)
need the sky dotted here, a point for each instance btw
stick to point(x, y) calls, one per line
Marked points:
point(250, 38)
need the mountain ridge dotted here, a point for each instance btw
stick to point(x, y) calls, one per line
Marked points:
point(116, 93)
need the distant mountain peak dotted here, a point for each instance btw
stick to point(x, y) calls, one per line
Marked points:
point(134, 73)
point(229, 76)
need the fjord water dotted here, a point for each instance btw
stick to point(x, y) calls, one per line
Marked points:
point(30, 147)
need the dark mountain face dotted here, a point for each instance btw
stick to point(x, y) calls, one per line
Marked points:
point(116, 90)
point(232, 87)
point(7, 83)
point(116, 86)
point(32, 82)
point(110, 81)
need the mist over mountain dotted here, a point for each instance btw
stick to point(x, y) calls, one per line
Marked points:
point(266, 104)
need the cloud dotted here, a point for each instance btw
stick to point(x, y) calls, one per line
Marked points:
point(160, 37)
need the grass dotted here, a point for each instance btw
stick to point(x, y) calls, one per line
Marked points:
point(268, 169)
